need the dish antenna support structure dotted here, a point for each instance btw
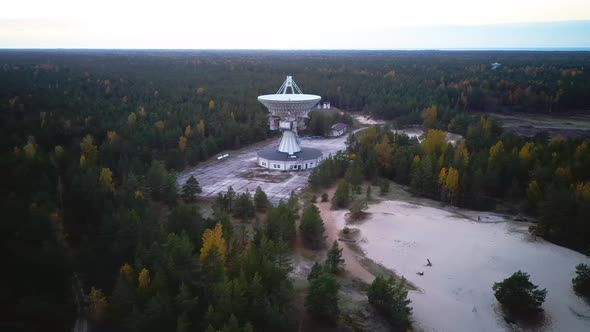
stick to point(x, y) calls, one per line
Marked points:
point(288, 109)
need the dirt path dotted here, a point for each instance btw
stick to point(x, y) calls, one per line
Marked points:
point(334, 223)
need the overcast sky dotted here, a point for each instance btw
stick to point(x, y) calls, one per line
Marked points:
point(298, 24)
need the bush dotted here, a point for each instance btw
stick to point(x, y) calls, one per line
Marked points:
point(581, 282)
point(325, 197)
point(357, 209)
point(384, 187)
point(322, 300)
point(390, 298)
point(518, 295)
point(314, 199)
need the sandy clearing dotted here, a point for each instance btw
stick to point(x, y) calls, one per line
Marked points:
point(468, 257)
point(334, 222)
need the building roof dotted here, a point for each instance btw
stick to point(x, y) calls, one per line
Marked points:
point(339, 126)
point(304, 154)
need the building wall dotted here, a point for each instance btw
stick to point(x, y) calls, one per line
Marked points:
point(286, 165)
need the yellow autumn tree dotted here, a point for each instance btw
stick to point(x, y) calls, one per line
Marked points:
point(201, 91)
point(30, 150)
point(98, 304)
point(564, 173)
point(201, 127)
point(527, 153)
point(141, 112)
point(112, 136)
point(384, 151)
point(213, 242)
point(442, 176)
point(211, 104)
point(462, 154)
point(436, 141)
point(138, 194)
point(182, 143)
point(496, 151)
point(132, 119)
point(582, 151)
point(534, 193)
point(89, 150)
point(188, 131)
point(144, 280)
point(59, 151)
point(106, 179)
point(83, 162)
point(556, 142)
point(430, 116)
point(127, 271)
point(160, 125)
point(452, 181)
point(583, 191)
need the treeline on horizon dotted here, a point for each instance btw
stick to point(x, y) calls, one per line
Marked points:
point(91, 142)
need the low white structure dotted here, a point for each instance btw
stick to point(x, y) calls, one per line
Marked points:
point(338, 129)
point(275, 160)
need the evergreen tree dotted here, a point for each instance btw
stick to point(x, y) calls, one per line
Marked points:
point(581, 282)
point(342, 196)
point(334, 261)
point(518, 295)
point(244, 206)
point(322, 300)
point(312, 227)
point(390, 298)
point(260, 199)
point(190, 189)
point(316, 270)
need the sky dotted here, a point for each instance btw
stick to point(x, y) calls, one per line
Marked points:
point(300, 24)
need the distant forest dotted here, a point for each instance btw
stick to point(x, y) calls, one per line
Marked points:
point(91, 140)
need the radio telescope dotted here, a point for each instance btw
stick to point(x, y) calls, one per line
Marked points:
point(288, 110)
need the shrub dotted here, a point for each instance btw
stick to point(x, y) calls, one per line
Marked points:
point(357, 209)
point(518, 295)
point(384, 187)
point(325, 197)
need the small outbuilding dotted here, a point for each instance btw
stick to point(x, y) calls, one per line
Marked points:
point(338, 129)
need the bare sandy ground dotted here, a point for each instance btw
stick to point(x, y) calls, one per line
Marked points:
point(455, 294)
point(334, 221)
point(365, 120)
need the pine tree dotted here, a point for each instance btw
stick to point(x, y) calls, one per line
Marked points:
point(312, 227)
point(260, 199)
point(390, 298)
point(342, 196)
point(334, 261)
point(190, 189)
point(322, 300)
point(316, 270)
